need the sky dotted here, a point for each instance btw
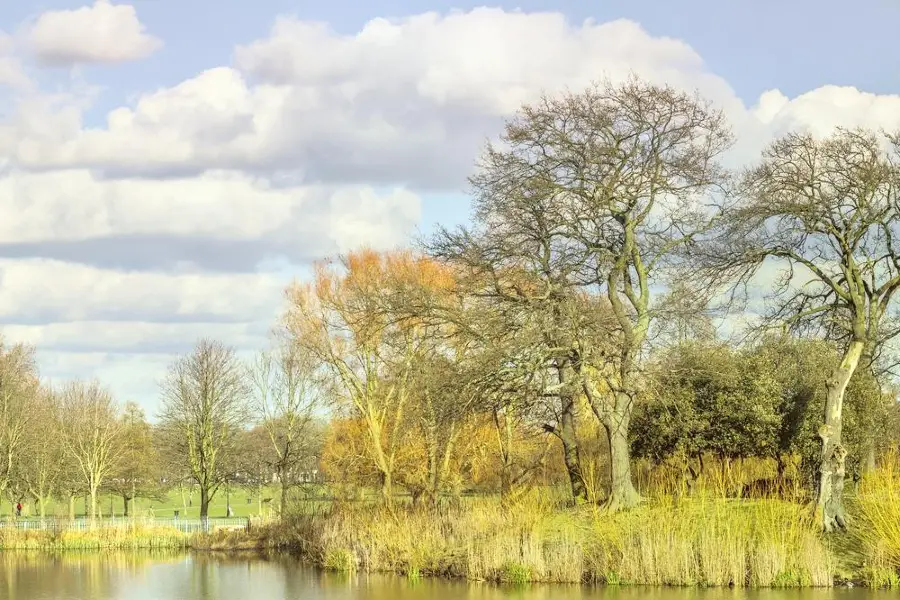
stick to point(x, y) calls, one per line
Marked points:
point(167, 168)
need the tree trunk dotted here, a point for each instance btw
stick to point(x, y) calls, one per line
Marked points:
point(93, 503)
point(571, 454)
point(830, 501)
point(284, 492)
point(444, 467)
point(572, 459)
point(71, 507)
point(387, 487)
point(126, 501)
point(204, 502)
point(621, 489)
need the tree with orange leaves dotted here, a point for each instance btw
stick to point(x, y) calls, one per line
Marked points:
point(348, 318)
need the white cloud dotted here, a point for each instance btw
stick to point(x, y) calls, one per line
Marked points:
point(306, 144)
point(407, 101)
point(101, 33)
point(404, 101)
point(55, 291)
point(130, 376)
point(11, 72)
point(150, 338)
point(68, 205)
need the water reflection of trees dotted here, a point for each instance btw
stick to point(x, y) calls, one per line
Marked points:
point(29, 574)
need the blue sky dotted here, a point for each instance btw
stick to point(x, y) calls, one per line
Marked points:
point(165, 167)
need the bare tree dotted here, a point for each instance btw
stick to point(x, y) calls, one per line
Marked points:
point(43, 462)
point(591, 195)
point(205, 406)
point(286, 395)
point(824, 214)
point(91, 432)
point(137, 472)
point(18, 389)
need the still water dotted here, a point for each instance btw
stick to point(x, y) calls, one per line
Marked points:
point(126, 576)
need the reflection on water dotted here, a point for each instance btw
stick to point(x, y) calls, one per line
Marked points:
point(165, 576)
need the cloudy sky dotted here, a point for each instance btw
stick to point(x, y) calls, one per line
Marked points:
point(167, 167)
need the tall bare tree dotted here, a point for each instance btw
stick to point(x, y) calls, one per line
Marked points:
point(18, 389)
point(591, 195)
point(138, 470)
point(823, 212)
point(91, 433)
point(204, 407)
point(43, 459)
point(286, 396)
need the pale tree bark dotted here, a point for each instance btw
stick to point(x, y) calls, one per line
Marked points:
point(832, 472)
point(616, 422)
point(824, 211)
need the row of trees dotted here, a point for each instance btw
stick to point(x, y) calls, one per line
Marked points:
point(66, 441)
point(605, 224)
point(224, 422)
point(572, 322)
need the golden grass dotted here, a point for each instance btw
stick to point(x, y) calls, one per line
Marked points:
point(100, 538)
point(701, 541)
point(878, 507)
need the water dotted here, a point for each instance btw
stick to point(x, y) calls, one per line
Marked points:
point(137, 576)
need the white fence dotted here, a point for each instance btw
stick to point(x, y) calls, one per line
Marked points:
point(82, 524)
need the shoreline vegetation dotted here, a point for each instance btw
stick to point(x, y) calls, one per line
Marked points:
point(703, 539)
point(577, 386)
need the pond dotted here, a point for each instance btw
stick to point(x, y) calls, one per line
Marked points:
point(141, 576)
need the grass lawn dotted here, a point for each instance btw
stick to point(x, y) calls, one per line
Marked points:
point(244, 503)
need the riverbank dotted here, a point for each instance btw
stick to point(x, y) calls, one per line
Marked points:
point(694, 542)
point(697, 541)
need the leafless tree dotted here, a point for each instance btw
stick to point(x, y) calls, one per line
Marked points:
point(286, 395)
point(138, 470)
point(590, 196)
point(43, 463)
point(18, 389)
point(824, 214)
point(205, 405)
point(91, 433)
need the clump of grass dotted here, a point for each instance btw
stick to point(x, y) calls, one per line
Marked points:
point(100, 538)
point(339, 559)
point(695, 541)
point(878, 507)
point(712, 542)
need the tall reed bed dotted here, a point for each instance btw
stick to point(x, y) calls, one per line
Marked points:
point(99, 538)
point(877, 504)
point(700, 541)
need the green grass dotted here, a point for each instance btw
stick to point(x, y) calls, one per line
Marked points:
point(244, 503)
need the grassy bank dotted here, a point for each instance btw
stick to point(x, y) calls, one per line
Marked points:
point(100, 538)
point(701, 539)
point(696, 542)
point(137, 538)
